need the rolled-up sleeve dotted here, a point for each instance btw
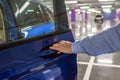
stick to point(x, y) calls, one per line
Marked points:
point(105, 42)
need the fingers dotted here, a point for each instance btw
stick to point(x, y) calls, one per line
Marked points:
point(54, 48)
point(58, 45)
point(62, 46)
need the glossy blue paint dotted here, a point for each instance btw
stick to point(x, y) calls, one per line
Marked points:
point(28, 62)
point(38, 30)
point(22, 60)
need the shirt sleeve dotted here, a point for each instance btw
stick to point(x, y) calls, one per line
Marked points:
point(105, 42)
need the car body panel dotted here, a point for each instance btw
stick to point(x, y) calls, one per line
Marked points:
point(29, 58)
point(25, 53)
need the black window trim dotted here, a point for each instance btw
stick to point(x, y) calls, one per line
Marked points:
point(28, 40)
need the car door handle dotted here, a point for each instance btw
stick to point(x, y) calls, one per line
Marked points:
point(48, 54)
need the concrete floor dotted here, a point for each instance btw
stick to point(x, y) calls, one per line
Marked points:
point(103, 67)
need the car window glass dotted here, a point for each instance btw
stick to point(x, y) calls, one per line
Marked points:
point(2, 30)
point(98, 15)
point(26, 19)
point(31, 17)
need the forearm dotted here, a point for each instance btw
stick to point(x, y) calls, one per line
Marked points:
point(106, 42)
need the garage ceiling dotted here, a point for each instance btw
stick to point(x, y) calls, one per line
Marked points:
point(93, 3)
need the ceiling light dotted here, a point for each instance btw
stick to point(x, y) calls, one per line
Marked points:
point(93, 10)
point(67, 8)
point(107, 10)
point(106, 0)
point(25, 5)
point(71, 2)
point(106, 6)
point(77, 10)
point(82, 4)
point(85, 7)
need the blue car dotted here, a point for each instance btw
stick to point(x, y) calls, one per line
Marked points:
point(27, 29)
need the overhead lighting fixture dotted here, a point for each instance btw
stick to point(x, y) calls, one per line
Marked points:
point(85, 7)
point(83, 11)
point(107, 10)
point(22, 8)
point(82, 4)
point(106, 0)
point(106, 6)
point(77, 10)
point(67, 8)
point(93, 10)
point(71, 2)
point(107, 3)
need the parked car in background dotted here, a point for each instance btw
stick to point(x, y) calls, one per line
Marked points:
point(99, 18)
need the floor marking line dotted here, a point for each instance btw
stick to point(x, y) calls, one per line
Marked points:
point(83, 63)
point(100, 64)
point(107, 65)
point(89, 69)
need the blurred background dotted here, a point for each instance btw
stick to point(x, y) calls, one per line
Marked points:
point(87, 18)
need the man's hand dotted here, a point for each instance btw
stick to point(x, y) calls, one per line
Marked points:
point(62, 46)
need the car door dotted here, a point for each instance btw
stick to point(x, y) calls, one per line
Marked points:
point(28, 28)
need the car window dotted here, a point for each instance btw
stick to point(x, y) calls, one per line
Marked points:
point(2, 30)
point(31, 17)
point(98, 15)
point(28, 19)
